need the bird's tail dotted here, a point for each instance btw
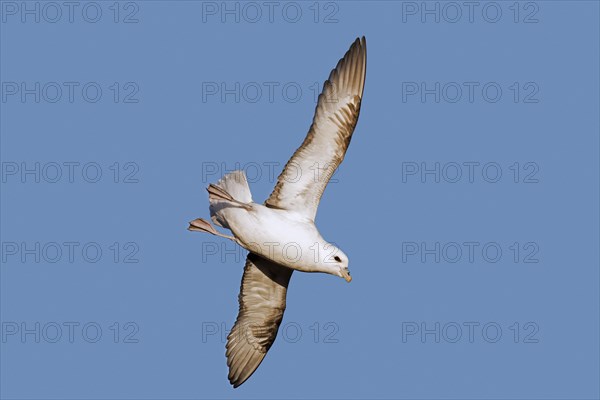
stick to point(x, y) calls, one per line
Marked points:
point(231, 190)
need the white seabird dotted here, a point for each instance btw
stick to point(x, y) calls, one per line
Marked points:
point(287, 218)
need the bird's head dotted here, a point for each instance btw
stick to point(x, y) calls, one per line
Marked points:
point(338, 263)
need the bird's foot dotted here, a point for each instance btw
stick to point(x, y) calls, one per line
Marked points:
point(202, 225)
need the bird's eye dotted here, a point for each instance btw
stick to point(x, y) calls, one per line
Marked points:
point(336, 258)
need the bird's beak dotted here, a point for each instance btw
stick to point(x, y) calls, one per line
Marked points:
point(346, 274)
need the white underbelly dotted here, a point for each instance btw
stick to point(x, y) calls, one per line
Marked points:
point(276, 235)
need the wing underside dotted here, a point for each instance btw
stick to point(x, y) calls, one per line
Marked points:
point(305, 176)
point(262, 303)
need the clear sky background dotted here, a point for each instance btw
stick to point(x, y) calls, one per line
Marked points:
point(467, 203)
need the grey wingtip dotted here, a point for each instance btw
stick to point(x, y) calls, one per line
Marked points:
point(361, 42)
point(236, 380)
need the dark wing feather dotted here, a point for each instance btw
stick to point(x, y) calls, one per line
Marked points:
point(305, 176)
point(262, 303)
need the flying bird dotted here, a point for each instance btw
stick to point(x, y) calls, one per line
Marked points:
point(280, 234)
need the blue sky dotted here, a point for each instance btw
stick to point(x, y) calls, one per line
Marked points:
point(467, 202)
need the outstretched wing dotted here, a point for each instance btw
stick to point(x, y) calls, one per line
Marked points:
point(262, 303)
point(305, 176)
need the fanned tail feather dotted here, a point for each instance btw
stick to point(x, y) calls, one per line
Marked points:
point(231, 190)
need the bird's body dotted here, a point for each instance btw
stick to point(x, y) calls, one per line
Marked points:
point(281, 235)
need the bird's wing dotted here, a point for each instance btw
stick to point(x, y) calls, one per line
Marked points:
point(305, 176)
point(262, 303)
